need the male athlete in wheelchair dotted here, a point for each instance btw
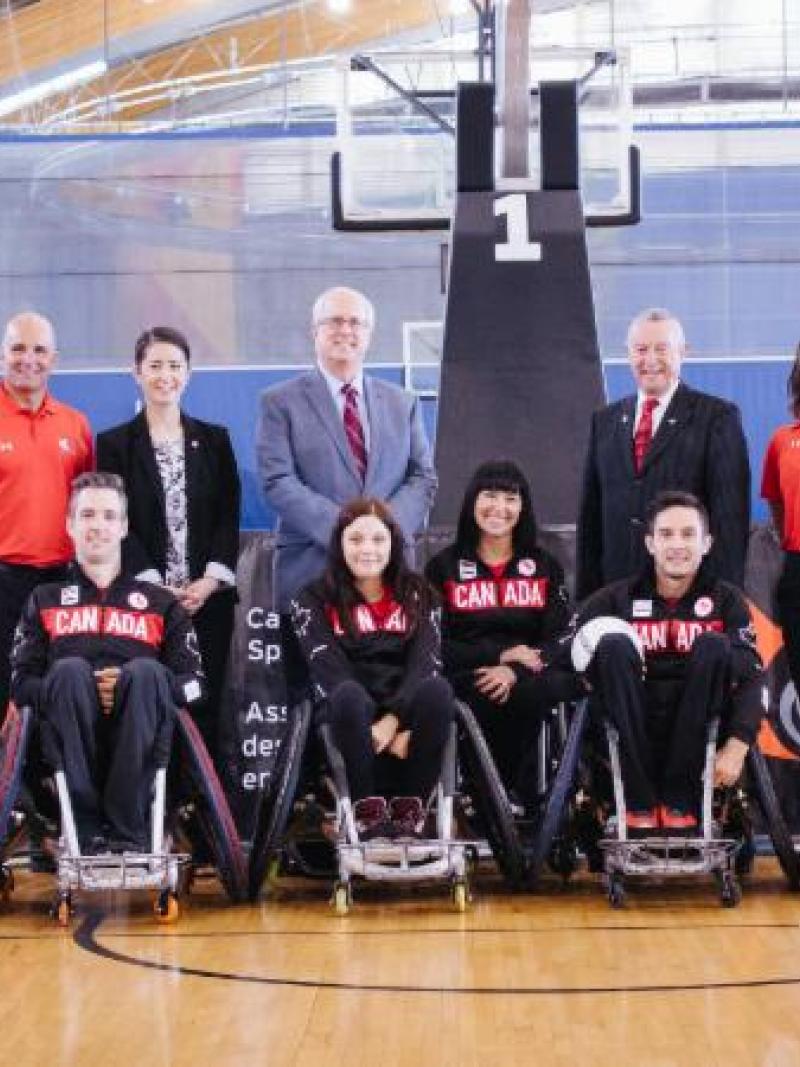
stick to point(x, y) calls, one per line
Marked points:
point(667, 653)
point(108, 664)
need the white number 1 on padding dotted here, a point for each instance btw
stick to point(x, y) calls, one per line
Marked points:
point(517, 247)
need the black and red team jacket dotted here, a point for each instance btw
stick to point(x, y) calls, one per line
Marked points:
point(484, 614)
point(384, 655)
point(669, 629)
point(106, 627)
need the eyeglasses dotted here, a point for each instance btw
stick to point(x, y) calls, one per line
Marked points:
point(339, 322)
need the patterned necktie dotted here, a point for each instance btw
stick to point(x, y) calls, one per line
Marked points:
point(644, 433)
point(354, 429)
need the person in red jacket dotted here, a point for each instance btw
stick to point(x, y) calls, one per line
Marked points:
point(370, 635)
point(105, 660)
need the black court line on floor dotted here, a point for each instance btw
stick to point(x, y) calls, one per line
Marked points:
point(85, 938)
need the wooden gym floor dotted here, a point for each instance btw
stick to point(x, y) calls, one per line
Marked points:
point(553, 979)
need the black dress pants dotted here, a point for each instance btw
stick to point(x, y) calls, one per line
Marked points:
point(109, 760)
point(788, 598)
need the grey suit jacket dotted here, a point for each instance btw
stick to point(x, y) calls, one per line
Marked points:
point(307, 469)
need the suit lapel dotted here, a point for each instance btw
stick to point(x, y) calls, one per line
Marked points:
point(143, 457)
point(320, 399)
point(671, 424)
point(624, 434)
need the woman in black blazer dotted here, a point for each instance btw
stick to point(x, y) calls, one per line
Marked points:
point(184, 494)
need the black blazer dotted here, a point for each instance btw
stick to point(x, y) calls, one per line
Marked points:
point(700, 448)
point(213, 494)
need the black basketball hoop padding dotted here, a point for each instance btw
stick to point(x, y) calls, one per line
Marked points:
point(213, 811)
point(275, 807)
point(14, 736)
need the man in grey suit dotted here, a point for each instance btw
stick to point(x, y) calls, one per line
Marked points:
point(333, 434)
point(666, 436)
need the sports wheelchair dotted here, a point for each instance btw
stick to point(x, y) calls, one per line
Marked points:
point(190, 820)
point(470, 794)
point(439, 857)
point(725, 844)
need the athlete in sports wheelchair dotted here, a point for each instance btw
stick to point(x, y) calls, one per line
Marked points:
point(384, 714)
point(505, 607)
point(107, 662)
point(673, 669)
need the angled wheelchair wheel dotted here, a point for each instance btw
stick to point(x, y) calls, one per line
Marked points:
point(276, 803)
point(554, 810)
point(13, 746)
point(767, 799)
point(213, 811)
point(489, 796)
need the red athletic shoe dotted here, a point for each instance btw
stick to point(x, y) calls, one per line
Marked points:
point(677, 819)
point(642, 821)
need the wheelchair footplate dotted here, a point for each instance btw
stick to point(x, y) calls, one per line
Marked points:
point(671, 857)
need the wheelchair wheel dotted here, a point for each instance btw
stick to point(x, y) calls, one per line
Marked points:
point(555, 807)
point(490, 799)
point(776, 826)
point(276, 804)
point(213, 812)
point(13, 746)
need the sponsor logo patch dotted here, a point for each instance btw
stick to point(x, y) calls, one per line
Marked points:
point(527, 567)
point(642, 609)
point(467, 569)
point(137, 600)
point(70, 594)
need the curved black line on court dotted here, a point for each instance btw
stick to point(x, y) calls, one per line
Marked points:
point(84, 937)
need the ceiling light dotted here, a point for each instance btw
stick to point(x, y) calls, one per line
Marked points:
point(340, 7)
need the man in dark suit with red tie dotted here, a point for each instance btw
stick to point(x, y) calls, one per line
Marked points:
point(666, 436)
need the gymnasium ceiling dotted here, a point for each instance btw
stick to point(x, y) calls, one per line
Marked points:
point(137, 60)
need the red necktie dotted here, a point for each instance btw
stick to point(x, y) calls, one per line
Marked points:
point(644, 433)
point(354, 429)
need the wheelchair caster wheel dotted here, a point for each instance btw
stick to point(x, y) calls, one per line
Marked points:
point(6, 885)
point(62, 910)
point(460, 895)
point(342, 899)
point(616, 892)
point(730, 892)
point(166, 907)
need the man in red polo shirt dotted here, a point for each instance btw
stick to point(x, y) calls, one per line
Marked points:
point(43, 445)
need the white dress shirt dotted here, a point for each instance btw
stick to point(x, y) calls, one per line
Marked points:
point(658, 410)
